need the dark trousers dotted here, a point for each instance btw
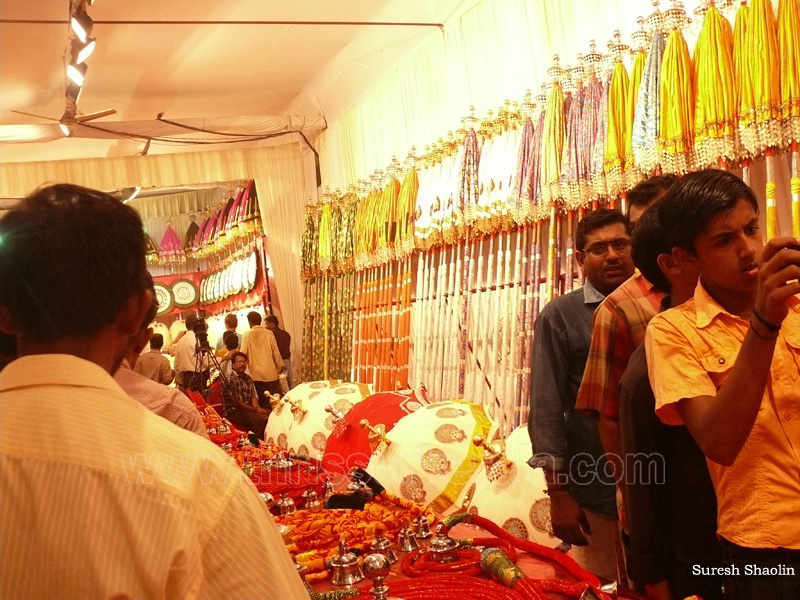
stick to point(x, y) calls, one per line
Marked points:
point(746, 586)
point(271, 387)
point(249, 421)
point(191, 380)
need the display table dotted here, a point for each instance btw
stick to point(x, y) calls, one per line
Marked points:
point(533, 567)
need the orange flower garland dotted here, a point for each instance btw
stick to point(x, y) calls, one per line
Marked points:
point(316, 535)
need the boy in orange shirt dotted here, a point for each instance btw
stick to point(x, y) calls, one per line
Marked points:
point(727, 365)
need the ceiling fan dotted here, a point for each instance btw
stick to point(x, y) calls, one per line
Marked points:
point(67, 118)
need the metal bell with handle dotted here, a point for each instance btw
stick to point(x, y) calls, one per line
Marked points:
point(345, 569)
point(382, 545)
point(408, 542)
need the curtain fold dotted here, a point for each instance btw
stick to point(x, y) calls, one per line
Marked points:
point(277, 170)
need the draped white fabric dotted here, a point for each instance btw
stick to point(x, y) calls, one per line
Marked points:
point(495, 51)
point(278, 172)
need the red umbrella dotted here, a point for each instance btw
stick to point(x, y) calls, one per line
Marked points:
point(349, 446)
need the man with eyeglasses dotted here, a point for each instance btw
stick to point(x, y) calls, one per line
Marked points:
point(566, 443)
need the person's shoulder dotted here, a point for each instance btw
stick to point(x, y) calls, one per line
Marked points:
point(678, 316)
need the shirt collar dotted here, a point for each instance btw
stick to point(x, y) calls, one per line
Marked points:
point(56, 369)
point(706, 308)
point(590, 294)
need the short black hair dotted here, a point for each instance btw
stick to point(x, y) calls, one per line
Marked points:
point(646, 191)
point(272, 319)
point(235, 354)
point(70, 259)
point(596, 220)
point(191, 321)
point(253, 318)
point(695, 199)
point(230, 339)
point(648, 242)
point(157, 341)
point(153, 310)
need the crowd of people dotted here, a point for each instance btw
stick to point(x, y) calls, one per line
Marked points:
point(665, 408)
point(665, 395)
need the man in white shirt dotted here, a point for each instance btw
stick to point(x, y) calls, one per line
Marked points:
point(188, 368)
point(109, 500)
point(266, 363)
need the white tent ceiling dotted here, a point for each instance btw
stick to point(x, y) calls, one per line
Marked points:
point(199, 71)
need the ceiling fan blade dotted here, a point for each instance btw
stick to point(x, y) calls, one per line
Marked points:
point(27, 114)
point(95, 115)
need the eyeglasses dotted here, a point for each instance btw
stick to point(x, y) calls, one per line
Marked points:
point(619, 245)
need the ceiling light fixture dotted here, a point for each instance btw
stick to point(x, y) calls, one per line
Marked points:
point(133, 195)
point(86, 51)
point(77, 73)
point(81, 24)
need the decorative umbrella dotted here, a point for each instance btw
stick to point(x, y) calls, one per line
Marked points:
point(593, 119)
point(640, 44)
point(759, 114)
point(715, 103)
point(574, 173)
point(467, 200)
point(617, 133)
point(647, 117)
point(510, 493)
point(677, 97)
point(191, 234)
point(789, 50)
point(350, 444)
point(325, 233)
point(521, 196)
point(197, 247)
point(553, 142)
point(152, 253)
point(171, 248)
point(281, 419)
point(430, 457)
point(312, 424)
point(251, 214)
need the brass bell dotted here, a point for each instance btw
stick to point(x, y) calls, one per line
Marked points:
point(312, 501)
point(422, 527)
point(442, 547)
point(408, 543)
point(247, 467)
point(286, 505)
point(345, 569)
point(227, 447)
point(382, 545)
point(268, 499)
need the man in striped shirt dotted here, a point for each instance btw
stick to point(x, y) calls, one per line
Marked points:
point(107, 500)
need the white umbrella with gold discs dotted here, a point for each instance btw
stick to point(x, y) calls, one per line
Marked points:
point(429, 456)
point(312, 424)
point(281, 418)
point(510, 493)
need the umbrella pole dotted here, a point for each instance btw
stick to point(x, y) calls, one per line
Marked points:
point(483, 327)
point(523, 253)
point(551, 255)
point(795, 187)
point(429, 329)
point(494, 347)
point(772, 211)
point(439, 314)
point(418, 318)
point(451, 387)
point(507, 308)
point(479, 297)
point(569, 254)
